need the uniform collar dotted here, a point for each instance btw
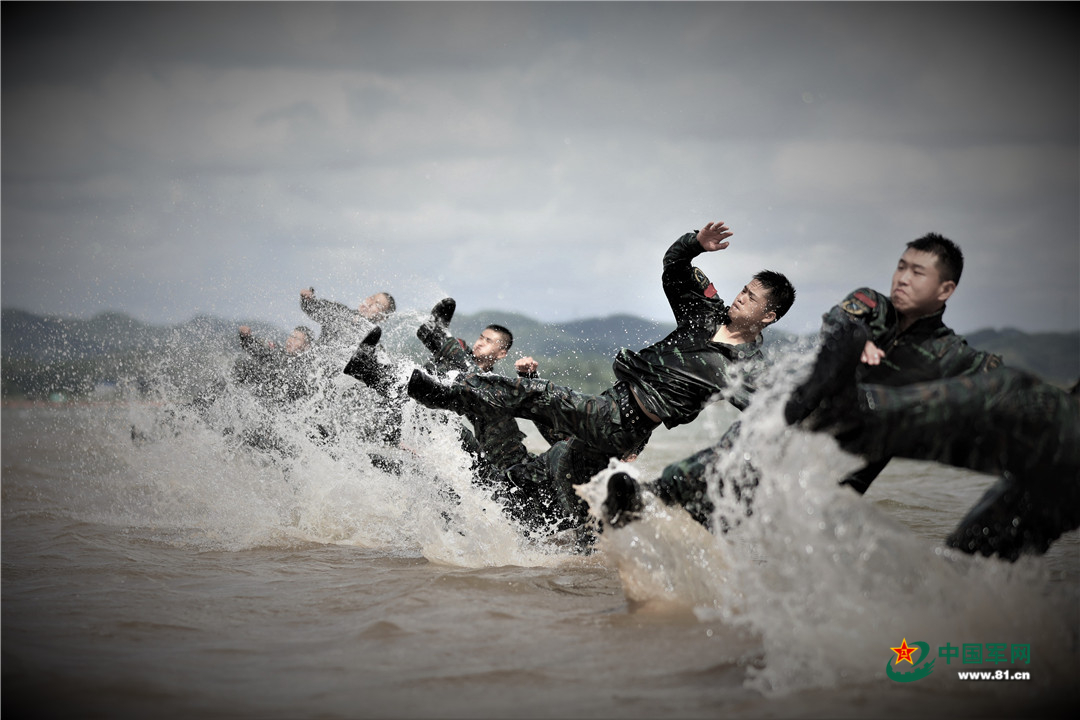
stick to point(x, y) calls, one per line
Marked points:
point(742, 350)
point(928, 323)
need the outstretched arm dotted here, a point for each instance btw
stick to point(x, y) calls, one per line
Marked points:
point(692, 297)
point(253, 345)
point(323, 311)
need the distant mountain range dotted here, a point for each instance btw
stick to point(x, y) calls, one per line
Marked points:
point(1052, 356)
point(40, 353)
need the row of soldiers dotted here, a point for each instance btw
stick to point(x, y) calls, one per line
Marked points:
point(890, 380)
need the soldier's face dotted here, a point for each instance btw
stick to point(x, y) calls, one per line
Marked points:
point(917, 287)
point(489, 348)
point(297, 342)
point(375, 307)
point(750, 306)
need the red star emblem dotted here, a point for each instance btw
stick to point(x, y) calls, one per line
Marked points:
point(903, 652)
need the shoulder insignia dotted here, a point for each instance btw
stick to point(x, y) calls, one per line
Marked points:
point(703, 283)
point(858, 305)
point(870, 302)
point(461, 343)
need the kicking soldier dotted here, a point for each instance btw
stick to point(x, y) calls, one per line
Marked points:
point(277, 374)
point(1005, 422)
point(341, 325)
point(496, 442)
point(715, 351)
point(892, 340)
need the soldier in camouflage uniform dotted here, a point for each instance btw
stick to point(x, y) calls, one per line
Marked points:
point(278, 377)
point(714, 351)
point(502, 461)
point(496, 440)
point(278, 374)
point(890, 340)
point(341, 325)
point(1006, 423)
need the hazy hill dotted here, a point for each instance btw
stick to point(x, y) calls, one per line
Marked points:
point(42, 354)
point(1053, 356)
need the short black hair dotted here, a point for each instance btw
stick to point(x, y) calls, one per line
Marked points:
point(781, 291)
point(950, 260)
point(391, 304)
point(507, 335)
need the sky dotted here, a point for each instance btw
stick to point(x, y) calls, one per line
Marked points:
point(170, 161)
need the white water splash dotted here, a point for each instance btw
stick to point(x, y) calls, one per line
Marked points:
point(234, 472)
point(827, 581)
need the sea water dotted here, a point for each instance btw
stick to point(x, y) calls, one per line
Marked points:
point(157, 561)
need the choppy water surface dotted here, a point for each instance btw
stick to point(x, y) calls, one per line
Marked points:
point(190, 573)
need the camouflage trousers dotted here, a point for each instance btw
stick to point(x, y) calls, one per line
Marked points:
point(1003, 422)
point(496, 440)
point(540, 490)
point(685, 482)
point(1000, 422)
point(598, 421)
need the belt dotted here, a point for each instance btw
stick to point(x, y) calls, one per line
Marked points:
point(633, 419)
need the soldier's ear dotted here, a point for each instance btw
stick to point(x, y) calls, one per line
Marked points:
point(946, 289)
point(768, 318)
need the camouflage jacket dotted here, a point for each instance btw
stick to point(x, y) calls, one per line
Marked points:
point(341, 324)
point(677, 377)
point(273, 374)
point(926, 350)
point(500, 440)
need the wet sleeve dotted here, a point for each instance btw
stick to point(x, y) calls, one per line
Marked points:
point(549, 433)
point(255, 347)
point(689, 291)
point(453, 356)
point(962, 359)
point(844, 333)
point(323, 311)
point(865, 307)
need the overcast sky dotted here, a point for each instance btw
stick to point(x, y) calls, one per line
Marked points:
point(174, 160)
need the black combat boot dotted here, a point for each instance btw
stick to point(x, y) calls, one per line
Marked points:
point(433, 334)
point(623, 503)
point(429, 392)
point(1015, 518)
point(363, 365)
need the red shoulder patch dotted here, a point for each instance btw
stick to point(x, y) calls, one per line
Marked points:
point(703, 282)
point(867, 300)
point(461, 343)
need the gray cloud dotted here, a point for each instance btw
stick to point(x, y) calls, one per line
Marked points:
point(216, 157)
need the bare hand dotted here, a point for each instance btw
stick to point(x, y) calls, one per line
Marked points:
point(307, 293)
point(871, 354)
point(526, 366)
point(714, 236)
